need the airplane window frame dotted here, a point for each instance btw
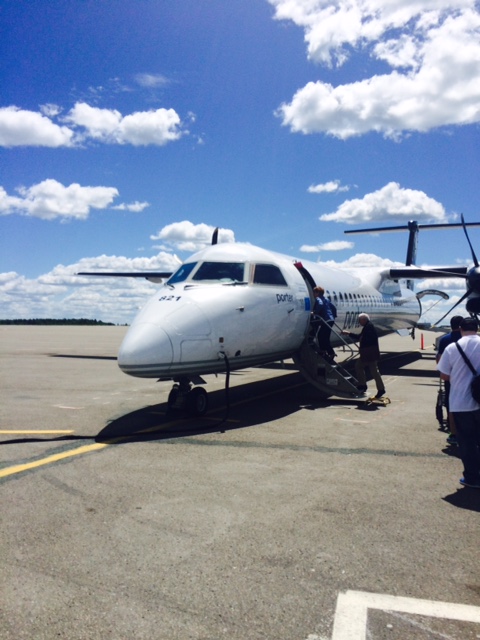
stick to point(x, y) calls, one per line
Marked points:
point(257, 268)
point(198, 276)
point(182, 273)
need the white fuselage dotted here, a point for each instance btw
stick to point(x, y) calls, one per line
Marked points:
point(251, 306)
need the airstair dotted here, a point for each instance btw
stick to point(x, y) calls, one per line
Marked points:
point(322, 371)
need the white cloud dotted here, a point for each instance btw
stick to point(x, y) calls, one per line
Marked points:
point(390, 202)
point(50, 110)
point(334, 27)
point(186, 236)
point(50, 199)
point(333, 186)
point(21, 128)
point(432, 47)
point(433, 307)
point(140, 128)
point(62, 294)
point(363, 261)
point(133, 206)
point(444, 284)
point(335, 245)
point(151, 80)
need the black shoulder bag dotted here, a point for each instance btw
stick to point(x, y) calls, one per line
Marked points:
point(475, 384)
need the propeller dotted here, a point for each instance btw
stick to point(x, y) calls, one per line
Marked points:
point(472, 277)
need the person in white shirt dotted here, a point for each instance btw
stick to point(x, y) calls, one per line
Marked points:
point(466, 411)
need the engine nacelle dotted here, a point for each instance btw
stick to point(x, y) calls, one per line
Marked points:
point(473, 305)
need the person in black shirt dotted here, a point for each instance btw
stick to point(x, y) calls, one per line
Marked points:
point(369, 353)
point(326, 312)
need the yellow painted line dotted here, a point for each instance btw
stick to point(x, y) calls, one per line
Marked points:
point(19, 468)
point(35, 431)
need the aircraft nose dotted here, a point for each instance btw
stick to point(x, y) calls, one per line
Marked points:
point(146, 350)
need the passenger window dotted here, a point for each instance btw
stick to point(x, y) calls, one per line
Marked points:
point(221, 271)
point(268, 274)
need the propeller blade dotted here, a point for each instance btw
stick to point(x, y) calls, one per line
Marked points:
point(474, 257)
point(455, 305)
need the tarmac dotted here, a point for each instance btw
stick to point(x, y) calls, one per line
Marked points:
point(277, 516)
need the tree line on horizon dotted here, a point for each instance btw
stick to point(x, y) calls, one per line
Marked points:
point(56, 321)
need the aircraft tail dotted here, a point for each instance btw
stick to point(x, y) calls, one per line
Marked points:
point(413, 229)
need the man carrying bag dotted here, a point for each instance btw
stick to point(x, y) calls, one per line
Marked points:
point(459, 364)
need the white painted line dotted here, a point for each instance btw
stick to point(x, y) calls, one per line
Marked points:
point(352, 608)
point(62, 406)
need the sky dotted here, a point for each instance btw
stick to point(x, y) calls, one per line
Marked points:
point(130, 130)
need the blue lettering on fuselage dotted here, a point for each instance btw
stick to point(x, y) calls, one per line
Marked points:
point(284, 297)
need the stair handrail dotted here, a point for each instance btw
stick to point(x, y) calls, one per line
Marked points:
point(338, 333)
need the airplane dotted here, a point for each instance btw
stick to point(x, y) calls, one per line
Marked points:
point(234, 305)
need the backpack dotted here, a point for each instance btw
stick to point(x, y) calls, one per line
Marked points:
point(330, 307)
point(475, 384)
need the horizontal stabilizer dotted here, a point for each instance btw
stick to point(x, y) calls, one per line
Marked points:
point(403, 227)
point(416, 273)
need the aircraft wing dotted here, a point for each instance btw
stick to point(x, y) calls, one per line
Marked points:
point(153, 276)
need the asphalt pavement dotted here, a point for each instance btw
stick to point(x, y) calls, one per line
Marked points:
point(277, 516)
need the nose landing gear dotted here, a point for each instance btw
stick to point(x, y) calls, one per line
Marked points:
point(186, 397)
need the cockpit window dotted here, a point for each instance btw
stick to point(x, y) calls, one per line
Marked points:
point(182, 273)
point(268, 274)
point(221, 271)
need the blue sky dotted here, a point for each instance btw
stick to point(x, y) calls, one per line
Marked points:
point(128, 131)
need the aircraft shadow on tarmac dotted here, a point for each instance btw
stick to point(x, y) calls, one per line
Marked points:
point(248, 405)
point(251, 405)
point(398, 365)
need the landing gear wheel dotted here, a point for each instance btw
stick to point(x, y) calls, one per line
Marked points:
point(197, 401)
